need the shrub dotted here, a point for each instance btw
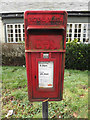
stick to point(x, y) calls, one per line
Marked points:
point(13, 54)
point(77, 56)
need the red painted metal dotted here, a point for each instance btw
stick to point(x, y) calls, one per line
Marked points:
point(45, 32)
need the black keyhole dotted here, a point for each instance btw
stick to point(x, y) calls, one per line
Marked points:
point(35, 76)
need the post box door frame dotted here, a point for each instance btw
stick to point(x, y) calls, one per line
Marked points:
point(54, 89)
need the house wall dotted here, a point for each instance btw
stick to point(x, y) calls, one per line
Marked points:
point(71, 19)
point(2, 35)
point(77, 20)
point(9, 21)
point(13, 20)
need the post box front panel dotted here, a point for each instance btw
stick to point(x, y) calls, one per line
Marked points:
point(51, 89)
point(45, 40)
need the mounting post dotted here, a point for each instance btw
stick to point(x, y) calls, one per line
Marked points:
point(45, 110)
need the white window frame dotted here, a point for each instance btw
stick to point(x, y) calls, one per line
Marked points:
point(68, 24)
point(14, 37)
point(82, 31)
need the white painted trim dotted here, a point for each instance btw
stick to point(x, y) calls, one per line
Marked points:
point(81, 39)
point(6, 34)
point(72, 38)
point(82, 30)
point(22, 32)
point(14, 33)
point(73, 25)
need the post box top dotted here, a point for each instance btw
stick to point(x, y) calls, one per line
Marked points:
point(45, 11)
point(45, 19)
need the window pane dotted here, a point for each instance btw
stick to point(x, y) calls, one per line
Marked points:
point(75, 30)
point(79, 30)
point(75, 35)
point(11, 39)
point(79, 25)
point(84, 35)
point(79, 35)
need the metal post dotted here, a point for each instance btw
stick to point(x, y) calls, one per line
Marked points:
point(45, 110)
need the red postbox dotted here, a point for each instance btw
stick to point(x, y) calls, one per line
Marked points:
point(45, 41)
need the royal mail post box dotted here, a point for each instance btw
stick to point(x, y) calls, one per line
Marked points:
point(45, 41)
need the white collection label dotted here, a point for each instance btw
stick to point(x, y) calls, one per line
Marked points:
point(45, 74)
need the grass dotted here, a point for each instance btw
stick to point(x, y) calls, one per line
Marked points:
point(15, 97)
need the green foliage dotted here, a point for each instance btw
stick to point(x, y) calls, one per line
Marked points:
point(13, 54)
point(15, 96)
point(77, 55)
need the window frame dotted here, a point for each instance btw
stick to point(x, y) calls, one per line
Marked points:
point(14, 33)
point(72, 33)
point(81, 33)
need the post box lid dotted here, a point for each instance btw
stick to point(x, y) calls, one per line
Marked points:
point(45, 19)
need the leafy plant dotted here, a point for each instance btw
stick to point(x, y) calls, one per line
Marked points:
point(77, 55)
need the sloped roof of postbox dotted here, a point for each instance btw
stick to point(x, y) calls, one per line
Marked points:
point(21, 5)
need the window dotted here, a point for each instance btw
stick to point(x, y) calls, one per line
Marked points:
point(79, 31)
point(15, 33)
